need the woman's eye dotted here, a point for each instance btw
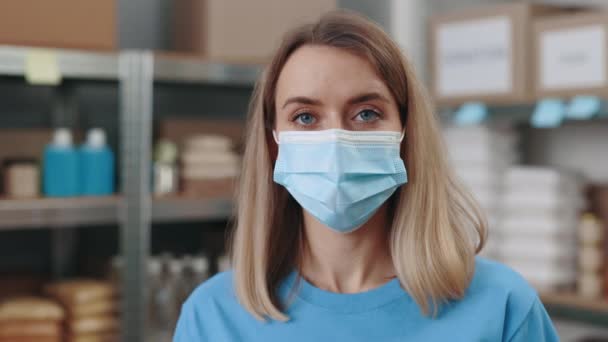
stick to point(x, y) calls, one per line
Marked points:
point(367, 115)
point(305, 119)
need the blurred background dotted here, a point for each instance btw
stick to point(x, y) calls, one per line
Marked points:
point(120, 134)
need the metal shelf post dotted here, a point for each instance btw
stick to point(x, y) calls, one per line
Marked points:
point(136, 87)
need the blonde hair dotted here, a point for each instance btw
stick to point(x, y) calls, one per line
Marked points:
point(437, 227)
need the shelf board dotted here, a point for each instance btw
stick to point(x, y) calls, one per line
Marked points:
point(573, 301)
point(73, 64)
point(188, 69)
point(58, 212)
point(173, 68)
point(188, 209)
point(514, 114)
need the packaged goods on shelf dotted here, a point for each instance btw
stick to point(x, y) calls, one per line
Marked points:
point(538, 228)
point(21, 178)
point(494, 67)
point(546, 179)
point(30, 147)
point(180, 129)
point(96, 165)
point(65, 171)
point(598, 205)
point(59, 23)
point(92, 308)
point(570, 51)
point(209, 161)
point(591, 257)
point(31, 318)
point(209, 165)
point(166, 177)
point(81, 291)
point(546, 225)
point(30, 308)
point(171, 281)
point(164, 279)
point(240, 30)
point(543, 276)
point(60, 166)
point(480, 155)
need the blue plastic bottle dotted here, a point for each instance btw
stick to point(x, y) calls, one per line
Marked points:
point(60, 164)
point(96, 165)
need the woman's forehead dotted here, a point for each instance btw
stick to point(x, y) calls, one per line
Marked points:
point(320, 71)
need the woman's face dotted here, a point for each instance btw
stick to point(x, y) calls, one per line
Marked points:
point(322, 87)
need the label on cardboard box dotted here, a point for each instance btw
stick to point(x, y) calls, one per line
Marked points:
point(42, 68)
point(573, 58)
point(475, 57)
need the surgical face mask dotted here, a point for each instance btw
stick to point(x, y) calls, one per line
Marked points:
point(340, 177)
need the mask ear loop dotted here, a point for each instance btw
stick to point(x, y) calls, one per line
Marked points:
point(274, 135)
point(401, 137)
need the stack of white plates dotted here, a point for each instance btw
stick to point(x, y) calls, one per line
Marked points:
point(480, 156)
point(538, 230)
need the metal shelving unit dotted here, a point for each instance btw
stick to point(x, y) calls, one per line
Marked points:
point(136, 73)
point(184, 209)
point(58, 212)
point(72, 64)
point(570, 305)
point(187, 69)
point(134, 210)
point(139, 71)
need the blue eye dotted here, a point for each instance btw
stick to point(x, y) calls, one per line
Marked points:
point(367, 115)
point(305, 119)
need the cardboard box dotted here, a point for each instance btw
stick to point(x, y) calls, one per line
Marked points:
point(484, 54)
point(180, 129)
point(240, 30)
point(59, 23)
point(570, 55)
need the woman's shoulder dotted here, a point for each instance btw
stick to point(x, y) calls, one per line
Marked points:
point(202, 315)
point(499, 286)
point(496, 277)
point(505, 291)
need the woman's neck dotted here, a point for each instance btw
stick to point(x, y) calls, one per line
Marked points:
point(347, 263)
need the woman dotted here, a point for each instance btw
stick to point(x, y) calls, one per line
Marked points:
point(335, 240)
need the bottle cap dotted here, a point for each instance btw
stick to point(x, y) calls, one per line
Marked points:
point(154, 266)
point(96, 138)
point(175, 266)
point(166, 152)
point(62, 137)
point(200, 264)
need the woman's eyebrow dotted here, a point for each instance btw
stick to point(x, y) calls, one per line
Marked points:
point(302, 100)
point(354, 100)
point(367, 97)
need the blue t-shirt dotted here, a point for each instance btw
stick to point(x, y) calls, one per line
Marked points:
point(499, 306)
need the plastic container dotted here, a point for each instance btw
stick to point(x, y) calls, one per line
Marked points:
point(590, 230)
point(96, 165)
point(590, 259)
point(162, 299)
point(589, 286)
point(60, 166)
point(200, 267)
